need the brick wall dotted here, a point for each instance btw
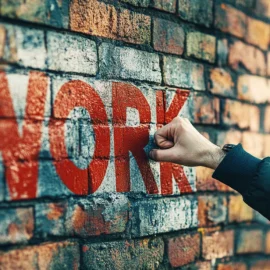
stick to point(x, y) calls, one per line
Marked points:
point(84, 84)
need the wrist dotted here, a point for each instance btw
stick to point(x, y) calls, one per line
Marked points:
point(214, 157)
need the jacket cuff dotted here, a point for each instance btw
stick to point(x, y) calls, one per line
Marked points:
point(237, 169)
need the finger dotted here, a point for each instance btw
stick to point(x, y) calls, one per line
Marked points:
point(161, 154)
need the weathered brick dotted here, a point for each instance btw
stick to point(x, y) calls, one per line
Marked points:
point(168, 37)
point(183, 249)
point(140, 3)
point(263, 8)
point(71, 54)
point(250, 57)
point(221, 82)
point(183, 73)
point(232, 266)
point(242, 115)
point(17, 225)
point(258, 33)
point(199, 265)
point(141, 254)
point(212, 210)
point(19, 85)
point(205, 182)
point(222, 52)
point(231, 136)
point(230, 20)
point(266, 148)
point(253, 88)
point(97, 216)
point(196, 11)
point(253, 143)
point(239, 211)
point(218, 245)
point(61, 255)
point(100, 19)
point(50, 12)
point(50, 218)
point(163, 215)
point(267, 243)
point(245, 3)
point(23, 46)
point(249, 241)
point(206, 109)
point(201, 46)
point(166, 5)
point(266, 118)
point(268, 63)
point(260, 265)
point(128, 63)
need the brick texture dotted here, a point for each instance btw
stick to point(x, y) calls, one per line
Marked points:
point(249, 241)
point(218, 245)
point(183, 249)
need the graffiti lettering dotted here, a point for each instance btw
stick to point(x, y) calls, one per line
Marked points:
point(20, 152)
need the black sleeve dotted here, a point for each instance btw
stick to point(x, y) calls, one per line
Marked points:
point(248, 175)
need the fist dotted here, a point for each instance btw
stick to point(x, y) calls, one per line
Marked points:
point(179, 142)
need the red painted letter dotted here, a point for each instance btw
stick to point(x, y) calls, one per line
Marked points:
point(167, 170)
point(132, 139)
point(80, 94)
point(20, 153)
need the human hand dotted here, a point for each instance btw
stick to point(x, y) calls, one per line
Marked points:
point(181, 143)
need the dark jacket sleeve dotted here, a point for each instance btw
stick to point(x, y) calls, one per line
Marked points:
point(248, 175)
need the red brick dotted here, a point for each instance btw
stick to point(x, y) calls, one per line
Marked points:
point(201, 46)
point(250, 57)
point(221, 83)
point(212, 210)
point(253, 143)
point(258, 33)
point(218, 245)
point(239, 114)
point(100, 19)
point(260, 265)
point(2, 40)
point(125, 254)
point(204, 180)
point(61, 255)
point(263, 8)
point(249, 241)
point(17, 225)
point(206, 110)
point(196, 11)
point(230, 20)
point(165, 5)
point(253, 88)
point(183, 249)
point(98, 216)
point(268, 63)
point(266, 148)
point(267, 243)
point(231, 136)
point(239, 211)
point(168, 37)
point(232, 266)
point(266, 123)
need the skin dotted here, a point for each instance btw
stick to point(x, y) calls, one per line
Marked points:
point(179, 142)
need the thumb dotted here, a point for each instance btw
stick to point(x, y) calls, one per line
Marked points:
point(161, 154)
